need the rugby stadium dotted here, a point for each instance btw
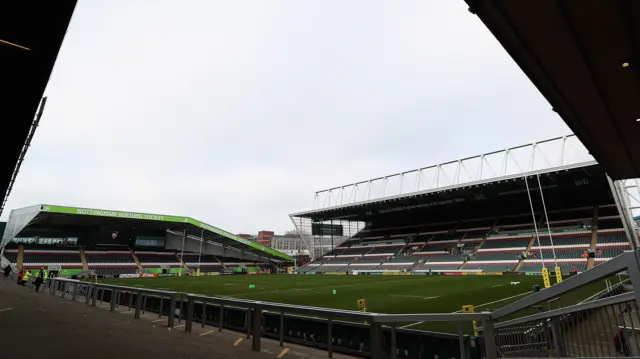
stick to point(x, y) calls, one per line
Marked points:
point(525, 252)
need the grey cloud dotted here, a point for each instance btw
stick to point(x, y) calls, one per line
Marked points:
point(235, 113)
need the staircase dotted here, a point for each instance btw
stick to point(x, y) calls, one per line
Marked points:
point(531, 242)
point(83, 258)
point(183, 264)
point(594, 236)
point(135, 259)
point(20, 257)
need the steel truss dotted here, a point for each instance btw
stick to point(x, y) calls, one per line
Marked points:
point(626, 194)
point(538, 156)
point(318, 245)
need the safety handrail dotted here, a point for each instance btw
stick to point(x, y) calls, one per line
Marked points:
point(255, 309)
point(621, 298)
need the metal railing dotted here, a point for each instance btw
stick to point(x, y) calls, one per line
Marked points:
point(606, 327)
point(383, 328)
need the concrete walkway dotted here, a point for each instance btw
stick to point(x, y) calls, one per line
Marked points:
point(41, 325)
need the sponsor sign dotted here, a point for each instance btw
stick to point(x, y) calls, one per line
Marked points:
point(481, 273)
point(167, 275)
point(129, 276)
point(495, 273)
point(148, 275)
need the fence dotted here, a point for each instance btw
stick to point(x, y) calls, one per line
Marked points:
point(274, 320)
point(605, 327)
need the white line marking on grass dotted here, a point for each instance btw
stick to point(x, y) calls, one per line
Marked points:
point(414, 296)
point(157, 320)
point(498, 301)
point(207, 333)
point(314, 288)
point(497, 285)
point(178, 326)
point(6, 309)
point(476, 306)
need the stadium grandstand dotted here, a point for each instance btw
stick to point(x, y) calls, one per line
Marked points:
point(72, 241)
point(475, 215)
point(515, 210)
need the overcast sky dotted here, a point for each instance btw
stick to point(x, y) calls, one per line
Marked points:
point(236, 112)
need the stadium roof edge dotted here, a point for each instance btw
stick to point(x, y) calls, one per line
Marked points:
point(310, 213)
point(80, 211)
point(583, 57)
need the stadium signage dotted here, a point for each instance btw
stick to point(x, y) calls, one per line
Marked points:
point(130, 215)
point(429, 204)
point(128, 276)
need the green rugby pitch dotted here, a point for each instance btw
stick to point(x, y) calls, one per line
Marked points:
point(383, 294)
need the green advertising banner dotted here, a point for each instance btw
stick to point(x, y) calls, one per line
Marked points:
point(161, 218)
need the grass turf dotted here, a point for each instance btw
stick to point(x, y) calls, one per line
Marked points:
point(384, 294)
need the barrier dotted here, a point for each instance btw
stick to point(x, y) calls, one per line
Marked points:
point(563, 332)
point(302, 324)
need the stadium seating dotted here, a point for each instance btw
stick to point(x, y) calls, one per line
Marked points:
point(388, 250)
point(582, 238)
point(153, 258)
point(358, 250)
point(440, 266)
point(57, 257)
point(400, 263)
point(610, 252)
point(497, 256)
point(560, 253)
point(439, 246)
point(503, 242)
point(566, 266)
point(94, 257)
point(441, 257)
point(365, 264)
point(611, 236)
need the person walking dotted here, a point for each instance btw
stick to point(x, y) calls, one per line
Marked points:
point(7, 272)
point(39, 279)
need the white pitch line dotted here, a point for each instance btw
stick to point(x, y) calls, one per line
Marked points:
point(178, 326)
point(498, 301)
point(157, 320)
point(6, 309)
point(476, 306)
point(497, 285)
point(414, 296)
point(313, 288)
